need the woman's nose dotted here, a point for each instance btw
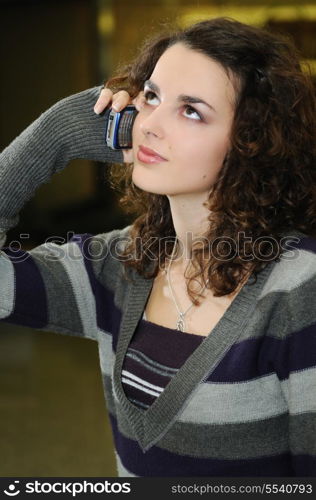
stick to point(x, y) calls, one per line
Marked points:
point(153, 123)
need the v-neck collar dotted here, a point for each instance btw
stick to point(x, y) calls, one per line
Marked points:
point(151, 424)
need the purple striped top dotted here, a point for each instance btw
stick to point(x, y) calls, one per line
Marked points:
point(154, 355)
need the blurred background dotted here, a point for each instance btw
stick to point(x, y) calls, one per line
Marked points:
point(53, 419)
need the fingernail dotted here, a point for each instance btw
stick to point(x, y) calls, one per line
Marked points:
point(97, 109)
point(115, 106)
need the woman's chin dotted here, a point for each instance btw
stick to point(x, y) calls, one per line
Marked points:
point(147, 182)
point(149, 186)
point(140, 178)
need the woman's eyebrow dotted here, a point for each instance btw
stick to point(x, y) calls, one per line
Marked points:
point(182, 97)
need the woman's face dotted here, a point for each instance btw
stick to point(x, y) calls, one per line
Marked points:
point(185, 116)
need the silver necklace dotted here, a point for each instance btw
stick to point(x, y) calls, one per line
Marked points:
point(181, 318)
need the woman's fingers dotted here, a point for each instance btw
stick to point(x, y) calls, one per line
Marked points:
point(103, 101)
point(120, 100)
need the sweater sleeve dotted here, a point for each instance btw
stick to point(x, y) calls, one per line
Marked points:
point(52, 287)
point(296, 367)
point(63, 288)
point(69, 129)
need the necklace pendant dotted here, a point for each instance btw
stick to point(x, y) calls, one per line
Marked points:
point(180, 325)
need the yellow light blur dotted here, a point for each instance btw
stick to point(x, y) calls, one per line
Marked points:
point(256, 15)
point(106, 22)
point(311, 63)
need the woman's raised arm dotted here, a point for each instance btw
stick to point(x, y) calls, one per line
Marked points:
point(53, 287)
point(69, 129)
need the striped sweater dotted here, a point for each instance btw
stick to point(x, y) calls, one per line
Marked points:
point(154, 356)
point(243, 403)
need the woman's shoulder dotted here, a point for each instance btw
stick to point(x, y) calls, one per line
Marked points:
point(111, 245)
point(290, 290)
point(296, 266)
point(298, 258)
point(299, 240)
point(291, 286)
point(91, 246)
point(115, 239)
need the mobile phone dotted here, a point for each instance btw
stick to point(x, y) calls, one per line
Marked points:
point(118, 133)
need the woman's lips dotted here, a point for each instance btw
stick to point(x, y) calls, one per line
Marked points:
point(146, 155)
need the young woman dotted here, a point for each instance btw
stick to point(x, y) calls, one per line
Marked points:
point(204, 307)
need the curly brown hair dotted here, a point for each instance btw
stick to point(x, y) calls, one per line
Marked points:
point(267, 184)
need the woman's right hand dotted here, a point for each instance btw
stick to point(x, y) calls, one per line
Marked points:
point(118, 101)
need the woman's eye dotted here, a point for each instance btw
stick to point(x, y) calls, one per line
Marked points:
point(192, 113)
point(150, 96)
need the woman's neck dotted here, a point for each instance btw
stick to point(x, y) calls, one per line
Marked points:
point(191, 224)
